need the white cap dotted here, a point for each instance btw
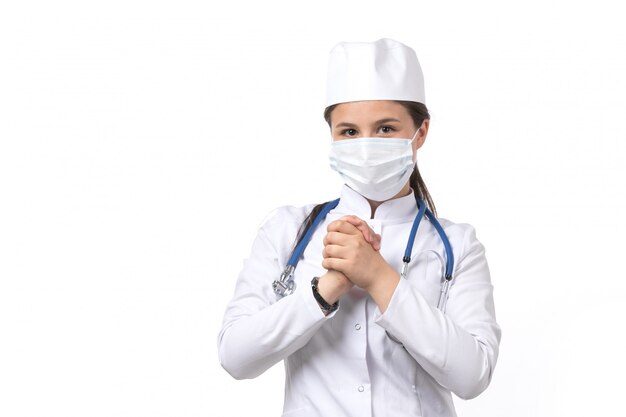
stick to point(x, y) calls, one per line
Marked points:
point(381, 70)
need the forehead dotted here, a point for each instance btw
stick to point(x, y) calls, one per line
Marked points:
point(363, 112)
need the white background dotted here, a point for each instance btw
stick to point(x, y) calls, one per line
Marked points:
point(142, 143)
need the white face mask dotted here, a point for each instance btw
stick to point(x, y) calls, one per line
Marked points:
point(376, 168)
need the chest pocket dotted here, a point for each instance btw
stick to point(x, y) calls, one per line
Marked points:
point(426, 273)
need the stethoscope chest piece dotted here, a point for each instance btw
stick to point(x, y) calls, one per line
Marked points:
point(285, 285)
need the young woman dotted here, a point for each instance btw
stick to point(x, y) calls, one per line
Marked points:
point(381, 309)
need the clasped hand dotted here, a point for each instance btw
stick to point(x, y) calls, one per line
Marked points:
point(352, 248)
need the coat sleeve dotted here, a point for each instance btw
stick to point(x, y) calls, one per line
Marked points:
point(257, 330)
point(458, 348)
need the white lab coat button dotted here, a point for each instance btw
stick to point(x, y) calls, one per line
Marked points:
point(357, 326)
point(361, 388)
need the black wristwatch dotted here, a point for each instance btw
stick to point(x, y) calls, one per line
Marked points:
point(326, 308)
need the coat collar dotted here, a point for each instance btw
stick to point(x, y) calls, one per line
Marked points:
point(398, 209)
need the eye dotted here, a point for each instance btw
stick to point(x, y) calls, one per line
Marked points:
point(387, 129)
point(349, 132)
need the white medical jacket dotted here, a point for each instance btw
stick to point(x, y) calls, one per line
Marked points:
point(357, 361)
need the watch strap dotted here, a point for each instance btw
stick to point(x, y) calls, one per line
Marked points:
point(327, 308)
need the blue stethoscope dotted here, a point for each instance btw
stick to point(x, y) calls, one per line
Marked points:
point(286, 285)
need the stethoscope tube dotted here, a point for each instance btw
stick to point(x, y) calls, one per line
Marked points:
point(286, 285)
point(299, 250)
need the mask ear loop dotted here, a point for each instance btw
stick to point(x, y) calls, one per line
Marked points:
point(415, 152)
point(415, 134)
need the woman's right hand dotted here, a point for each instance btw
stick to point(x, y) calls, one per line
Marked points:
point(333, 284)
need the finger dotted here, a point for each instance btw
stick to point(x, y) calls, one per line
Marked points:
point(376, 241)
point(336, 238)
point(342, 226)
point(352, 219)
point(335, 251)
point(334, 264)
point(368, 233)
point(370, 236)
point(359, 224)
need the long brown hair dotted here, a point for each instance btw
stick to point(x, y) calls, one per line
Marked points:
point(418, 113)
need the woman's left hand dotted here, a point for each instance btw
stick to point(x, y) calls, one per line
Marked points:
point(370, 236)
point(346, 250)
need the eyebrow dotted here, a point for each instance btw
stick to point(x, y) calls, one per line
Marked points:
point(387, 120)
point(377, 122)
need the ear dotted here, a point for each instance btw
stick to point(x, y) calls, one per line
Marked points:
point(421, 135)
